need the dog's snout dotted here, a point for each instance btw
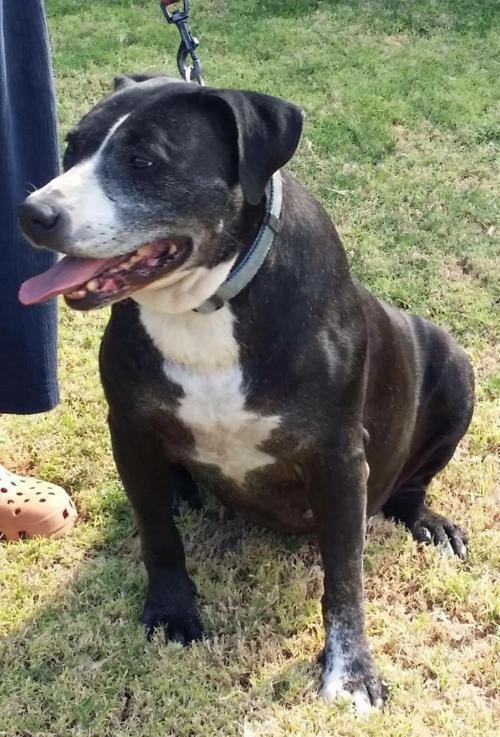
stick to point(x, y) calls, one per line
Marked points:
point(38, 218)
point(42, 222)
point(43, 216)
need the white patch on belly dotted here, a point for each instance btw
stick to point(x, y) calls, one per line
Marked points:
point(225, 433)
point(202, 356)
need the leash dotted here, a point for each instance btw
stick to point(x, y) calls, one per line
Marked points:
point(244, 271)
point(189, 43)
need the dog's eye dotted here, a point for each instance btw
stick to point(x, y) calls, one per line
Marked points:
point(139, 162)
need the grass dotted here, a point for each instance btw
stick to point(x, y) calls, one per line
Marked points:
point(401, 144)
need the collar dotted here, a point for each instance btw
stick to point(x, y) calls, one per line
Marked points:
point(244, 272)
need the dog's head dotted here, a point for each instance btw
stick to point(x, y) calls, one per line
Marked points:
point(154, 174)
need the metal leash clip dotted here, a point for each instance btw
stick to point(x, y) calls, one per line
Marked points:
point(189, 43)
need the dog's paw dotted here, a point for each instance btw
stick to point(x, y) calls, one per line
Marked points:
point(171, 606)
point(357, 681)
point(433, 528)
point(179, 625)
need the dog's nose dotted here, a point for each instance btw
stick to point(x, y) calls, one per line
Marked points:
point(42, 222)
point(38, 217)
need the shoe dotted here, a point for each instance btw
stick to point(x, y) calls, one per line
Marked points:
point(33, 508)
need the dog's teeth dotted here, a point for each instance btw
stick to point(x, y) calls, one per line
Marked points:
point(153, 261)
point(114, 270)
point(145, 250)
point(172, 249)
point(77, 294)
point(131, 261)
point(92, 285)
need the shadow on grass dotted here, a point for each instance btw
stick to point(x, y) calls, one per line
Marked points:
point(82, 661)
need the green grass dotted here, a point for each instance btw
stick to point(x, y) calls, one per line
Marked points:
point(401, 144)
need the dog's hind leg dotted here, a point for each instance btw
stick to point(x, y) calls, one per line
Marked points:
point(409, 507)
point(447, 419)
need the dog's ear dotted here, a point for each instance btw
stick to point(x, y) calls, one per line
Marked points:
point(121, 81)
point(268, 132)
point(124, 81)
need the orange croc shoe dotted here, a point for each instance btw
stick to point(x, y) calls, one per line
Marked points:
point(33, 508)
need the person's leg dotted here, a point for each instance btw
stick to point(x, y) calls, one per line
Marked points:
point(28, 159)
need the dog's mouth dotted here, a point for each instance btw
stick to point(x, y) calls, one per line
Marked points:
point(89, 283)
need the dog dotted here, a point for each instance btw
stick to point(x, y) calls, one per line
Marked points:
point(241, 355)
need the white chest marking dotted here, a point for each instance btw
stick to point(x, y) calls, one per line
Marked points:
point(202, 356)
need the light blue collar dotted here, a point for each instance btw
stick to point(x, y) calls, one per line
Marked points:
point(245, 271)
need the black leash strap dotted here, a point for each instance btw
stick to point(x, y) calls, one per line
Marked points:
point(189, 43)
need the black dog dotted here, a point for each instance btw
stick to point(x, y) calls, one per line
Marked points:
point(303, 402)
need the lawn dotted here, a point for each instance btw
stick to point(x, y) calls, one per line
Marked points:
point(401, 144)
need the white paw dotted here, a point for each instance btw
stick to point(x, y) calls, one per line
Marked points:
point(349, 672)
point(337, 688)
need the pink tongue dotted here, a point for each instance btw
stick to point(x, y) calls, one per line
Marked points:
point(65, 276)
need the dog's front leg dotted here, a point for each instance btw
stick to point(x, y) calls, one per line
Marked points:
point(338, 497)
point(150, 482)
